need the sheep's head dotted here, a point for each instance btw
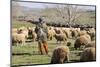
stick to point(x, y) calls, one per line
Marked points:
point(68, 43)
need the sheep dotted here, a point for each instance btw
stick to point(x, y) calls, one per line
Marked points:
point(92, 34)
point(52, 30)
point(67, 31)
point(14, 38)
point(74, 33)
point(91, 44)
point(81, 41)
point(60, 55)
point(24, 31)
point(58, 30)
point(87, 36)
point(60, 37)
point(18, 38)
point(50, 34)
point(31, 34)
point(88, 54)
point(82, 32)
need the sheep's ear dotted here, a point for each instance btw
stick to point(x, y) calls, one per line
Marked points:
point(68, 43)
point(88, 32)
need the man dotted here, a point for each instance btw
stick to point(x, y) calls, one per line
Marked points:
point(41, 30)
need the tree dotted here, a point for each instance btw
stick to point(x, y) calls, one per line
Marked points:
point(69, 12)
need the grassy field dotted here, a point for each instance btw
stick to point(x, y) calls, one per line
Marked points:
point(29, 54)
point(17, 24)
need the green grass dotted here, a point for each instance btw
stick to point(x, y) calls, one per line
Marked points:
point(29, 54)
point(17, 24)
point(32, 59)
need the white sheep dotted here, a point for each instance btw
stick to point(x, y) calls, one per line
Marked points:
point(18, 38)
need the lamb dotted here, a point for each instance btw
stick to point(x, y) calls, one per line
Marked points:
point(88, 54)
point(74, 33)
point(50, 35)
point(82, 32)
point(81, 41)
point(87, 36)
point(18, 38)
point(91, 44)
point(60, 55)
point(60, 37)
point(92, 34)
point(67, 31)
point(24, 31)
point(58, 30)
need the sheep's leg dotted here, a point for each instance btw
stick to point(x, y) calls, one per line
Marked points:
point(57, 42)
point(67, 58)
point(51, 61)
point(51, 38)
point(64, 41)
point(23, 43)
point(17, 44)
point(60, 42)
point(61, 59)
point(33, 39)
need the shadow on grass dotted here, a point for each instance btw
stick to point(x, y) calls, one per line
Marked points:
point(74, 61)
point(71, 61)
point(33, 53)
point(52, 43)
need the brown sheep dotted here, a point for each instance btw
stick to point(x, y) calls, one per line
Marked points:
point(82, 32)
point(91, 44)
point(60, 37)
point(81, 41)
point(87, 36)
point(88, 54)
point(60, 55)
point(50, 35)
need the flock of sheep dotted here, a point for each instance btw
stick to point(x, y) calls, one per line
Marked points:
point(84, 39)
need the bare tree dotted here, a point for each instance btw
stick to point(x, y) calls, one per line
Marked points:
point(65, 13)
point(69, 12)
